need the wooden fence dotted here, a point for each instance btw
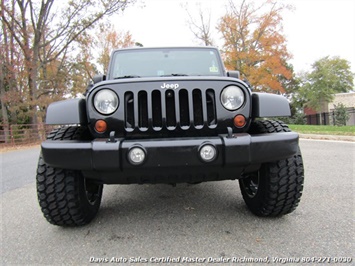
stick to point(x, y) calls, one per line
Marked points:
point(23, 134)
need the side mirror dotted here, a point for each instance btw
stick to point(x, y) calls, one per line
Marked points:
point(233, 74)
point(98, 78)
point(95, 79)
point(248, 83)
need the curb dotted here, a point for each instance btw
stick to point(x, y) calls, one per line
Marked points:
point(327, 137)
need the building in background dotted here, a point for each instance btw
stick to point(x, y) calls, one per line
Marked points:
point(326, 115)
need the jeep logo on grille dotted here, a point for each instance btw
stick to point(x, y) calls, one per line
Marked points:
point(169, 86)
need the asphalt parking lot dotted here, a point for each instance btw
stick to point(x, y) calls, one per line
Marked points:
point(195, 224)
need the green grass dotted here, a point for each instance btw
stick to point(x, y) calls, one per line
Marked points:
point(324, 130)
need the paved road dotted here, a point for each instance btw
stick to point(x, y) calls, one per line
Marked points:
point(208, 221)
point(18, 168)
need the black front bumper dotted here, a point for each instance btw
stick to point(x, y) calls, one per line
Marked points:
point(172, 155)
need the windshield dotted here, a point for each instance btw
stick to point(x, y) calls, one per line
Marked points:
point(165, 62)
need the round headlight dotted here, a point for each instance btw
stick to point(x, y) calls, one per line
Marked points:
point(106, 102)
point(232, 98)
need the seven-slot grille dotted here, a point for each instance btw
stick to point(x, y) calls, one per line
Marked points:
point(170, 109)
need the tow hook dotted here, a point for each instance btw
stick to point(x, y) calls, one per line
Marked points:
point(112, 137)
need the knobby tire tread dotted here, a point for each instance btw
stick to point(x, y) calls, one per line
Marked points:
point(58, 189)
point(282, 185)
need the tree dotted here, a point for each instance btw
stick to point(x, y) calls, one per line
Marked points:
point(111, 39)
point(255, 45)
point(95, 49)
point(12, 77)
point(201, 27)
point(43, 41)
point(329, 75)
point(81, 67)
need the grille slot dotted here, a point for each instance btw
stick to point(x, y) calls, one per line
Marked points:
point(129, 110)
point(157, 120)
point(211, 107)
point(184, 109)
point(169, 109)
point(143, 110)
point(198, 110)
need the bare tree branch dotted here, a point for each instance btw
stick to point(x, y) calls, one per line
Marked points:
point(201, 28)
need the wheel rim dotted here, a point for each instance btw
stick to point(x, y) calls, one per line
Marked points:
point(251, 184)
point(92, 191)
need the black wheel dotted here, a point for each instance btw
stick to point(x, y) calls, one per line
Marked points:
point(66, 197)
point(276, 188)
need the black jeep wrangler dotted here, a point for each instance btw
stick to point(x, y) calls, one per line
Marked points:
point(167, 115)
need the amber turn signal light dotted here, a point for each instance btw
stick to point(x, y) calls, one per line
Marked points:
point(100, 126)
point(239, 121)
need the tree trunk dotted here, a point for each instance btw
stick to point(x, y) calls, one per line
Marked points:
point(4, 114)
point(4, 59)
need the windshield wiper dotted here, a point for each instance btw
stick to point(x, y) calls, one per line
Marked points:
point(174, 75)
point(127, 77)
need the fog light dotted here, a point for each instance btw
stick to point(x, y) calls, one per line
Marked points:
point(136, 156)
point(208, 153)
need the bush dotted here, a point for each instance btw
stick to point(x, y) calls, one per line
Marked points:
point(341, 114)
point(299, 119)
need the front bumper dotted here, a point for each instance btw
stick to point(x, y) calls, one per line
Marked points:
point(237, 151)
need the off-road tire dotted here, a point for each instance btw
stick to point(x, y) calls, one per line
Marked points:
point(66, 197)
point(275, 189)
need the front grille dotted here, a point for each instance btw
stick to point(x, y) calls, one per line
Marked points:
point(170, 109)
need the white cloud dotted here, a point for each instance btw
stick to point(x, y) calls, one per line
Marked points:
point(316, 28)
point(320, 28)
